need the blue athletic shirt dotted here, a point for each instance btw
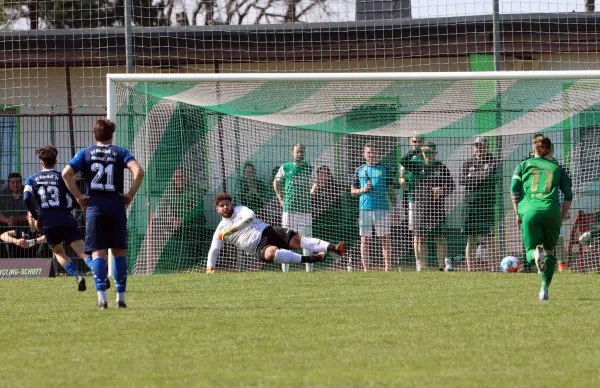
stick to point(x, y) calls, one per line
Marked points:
point(54, 200)
point(102, 167)
point(376, 198)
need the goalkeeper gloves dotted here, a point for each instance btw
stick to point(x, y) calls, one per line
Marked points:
point(226, 233)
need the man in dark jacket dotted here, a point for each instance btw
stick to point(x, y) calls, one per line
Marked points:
point(432, 185)
point(478, 176)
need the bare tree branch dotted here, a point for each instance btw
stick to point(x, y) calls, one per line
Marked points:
point(234, 7)
point(168, 11)
point(209, 6)
point(314, 3)
point(243, 15)
point(263, 12)
point(290, 12)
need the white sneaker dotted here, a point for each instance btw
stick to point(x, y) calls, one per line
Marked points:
point(586, 238)
point(544, 294)
point(419, 267)
point(285, 268)
point(540, 260)
point(448, 265)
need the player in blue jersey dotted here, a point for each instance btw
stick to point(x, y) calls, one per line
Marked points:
point(373, 185)
point(102, 166)
point(52, 212)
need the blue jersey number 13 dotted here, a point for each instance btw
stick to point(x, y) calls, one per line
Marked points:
point(49, 196)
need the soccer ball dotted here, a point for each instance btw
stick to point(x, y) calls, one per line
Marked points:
point(510, 264)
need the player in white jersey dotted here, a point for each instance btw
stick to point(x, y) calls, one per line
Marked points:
point(240, 226)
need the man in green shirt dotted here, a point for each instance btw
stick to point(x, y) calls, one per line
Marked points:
point(296, 178)
point(535, 197)
point(408, 163)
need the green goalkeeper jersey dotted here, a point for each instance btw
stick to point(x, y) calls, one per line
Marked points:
point(536, 182)
point(296, 189)
point(408, 165)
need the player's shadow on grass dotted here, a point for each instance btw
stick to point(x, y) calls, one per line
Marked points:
point(590, 299)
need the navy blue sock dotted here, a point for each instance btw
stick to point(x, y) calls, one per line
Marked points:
point(120, 273)
point(99, 270)
point(90, 262)
point(71, 270)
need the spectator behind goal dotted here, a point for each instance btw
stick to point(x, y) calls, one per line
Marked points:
point(26, 242)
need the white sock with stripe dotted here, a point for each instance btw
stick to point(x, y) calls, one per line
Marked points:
point(287, 257)
point(313, 244)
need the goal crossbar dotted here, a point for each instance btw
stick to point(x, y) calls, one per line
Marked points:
point(112, 79)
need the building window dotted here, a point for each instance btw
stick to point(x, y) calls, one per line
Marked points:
point(9, 123)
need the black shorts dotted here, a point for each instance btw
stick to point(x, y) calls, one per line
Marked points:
point(479, 220)
point(274, 235)
point(429, 219)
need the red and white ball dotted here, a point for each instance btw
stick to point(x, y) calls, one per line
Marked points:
point(510, 264)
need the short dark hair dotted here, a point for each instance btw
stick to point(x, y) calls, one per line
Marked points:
point(14, 175)
point(223, 197)
point(104, 129)
point(323, 168)
point(430, 145)
point(370, 144)
point(47, 155)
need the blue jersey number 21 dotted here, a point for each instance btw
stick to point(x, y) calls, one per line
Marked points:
point(100, 172)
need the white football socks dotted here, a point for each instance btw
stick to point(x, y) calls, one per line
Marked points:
point(101, 296)
point(286, 257)
point(313, 244)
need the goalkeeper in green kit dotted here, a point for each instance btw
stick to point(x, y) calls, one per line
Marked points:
point(534, 192)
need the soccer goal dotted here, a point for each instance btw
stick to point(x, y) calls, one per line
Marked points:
point(372, 159)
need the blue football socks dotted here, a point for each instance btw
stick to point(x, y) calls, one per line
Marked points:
point(71, 269)
point(90, 262)
point(120, 273)
point(100, 273)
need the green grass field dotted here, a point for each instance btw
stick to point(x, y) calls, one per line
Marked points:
point(298, 329)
